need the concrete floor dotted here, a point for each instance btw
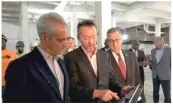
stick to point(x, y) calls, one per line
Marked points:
point(148, 87)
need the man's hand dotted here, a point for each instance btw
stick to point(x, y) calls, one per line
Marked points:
point(105, 95)
point(126, 89)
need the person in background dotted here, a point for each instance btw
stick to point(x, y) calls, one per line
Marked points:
point(90, 70)
point(20, 48)
point(40, 76)
point(161, 69)
point(33, 45)
point(70, 44)
point(7, 57)
point(140, 57)
point(106, 48)
point(124, 63)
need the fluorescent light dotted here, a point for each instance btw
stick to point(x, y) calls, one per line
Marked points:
point(125, 37)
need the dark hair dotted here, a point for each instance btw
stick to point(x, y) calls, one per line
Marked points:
point(87, 23)
point(111, 30)
point(70, 38)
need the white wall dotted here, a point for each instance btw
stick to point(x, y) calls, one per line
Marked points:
point(13, 32)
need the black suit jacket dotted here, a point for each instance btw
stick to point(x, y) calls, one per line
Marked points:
point(141, 58)
point(29, 79)
point(83, 80)
point(103, 49)
point(133, 73)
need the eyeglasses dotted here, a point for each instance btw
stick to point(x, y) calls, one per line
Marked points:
point(115, 40)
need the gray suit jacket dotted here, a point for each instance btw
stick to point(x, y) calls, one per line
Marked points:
point(163, 67)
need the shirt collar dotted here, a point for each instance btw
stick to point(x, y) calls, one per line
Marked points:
point(119, 53)
point(45, 54)
point(86, 51)
point(133, 50)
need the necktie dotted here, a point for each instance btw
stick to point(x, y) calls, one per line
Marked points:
point(122, 66)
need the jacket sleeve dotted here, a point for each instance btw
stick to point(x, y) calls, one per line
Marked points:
point(137, 72)
point(14, 89)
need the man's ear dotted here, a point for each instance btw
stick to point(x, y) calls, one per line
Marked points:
point(44, 38)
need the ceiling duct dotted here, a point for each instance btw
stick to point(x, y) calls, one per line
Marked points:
point(150, 32)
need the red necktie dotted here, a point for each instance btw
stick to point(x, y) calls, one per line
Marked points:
point(122, 66)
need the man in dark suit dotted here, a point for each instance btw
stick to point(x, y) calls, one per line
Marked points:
point(106, 48)
point(124, 63)
point(140, 57)
point(91, 75)
point(40, 76)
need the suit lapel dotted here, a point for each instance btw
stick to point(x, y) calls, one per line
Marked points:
point(126, 63)
point(162, 55)
point(45, 71)
point(154, 55)
point(66, 79)
point(116, 68)
point(84, 59)
point(99, 64)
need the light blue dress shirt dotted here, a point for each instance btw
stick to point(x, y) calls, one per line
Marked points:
point(159, 53)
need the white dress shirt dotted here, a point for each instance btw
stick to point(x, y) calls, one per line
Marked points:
point(122, 57)
point(55, 68)
point(93, 60)
point(136, 52)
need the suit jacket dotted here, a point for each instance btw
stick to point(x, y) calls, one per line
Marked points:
point(83, 80)
point(29, 79)
point(163, 67)
point(104, 49)
point(141, 58)
point(133, 73)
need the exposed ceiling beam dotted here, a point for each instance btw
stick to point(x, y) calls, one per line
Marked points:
point(120, 7)
point(9, 8)
point(135, 19)
point(49, 2)
point(79, 8)
point(127, 25)
point(10, 14)
point(150, 12)
point(61, 6)
point(136, 5)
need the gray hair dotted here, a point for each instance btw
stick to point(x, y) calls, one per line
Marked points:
point(111, 30)
point(46, 23)
point(159, 38)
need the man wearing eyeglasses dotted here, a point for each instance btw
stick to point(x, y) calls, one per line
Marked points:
point(124, 63)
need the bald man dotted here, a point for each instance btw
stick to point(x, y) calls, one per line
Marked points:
point(161, 69)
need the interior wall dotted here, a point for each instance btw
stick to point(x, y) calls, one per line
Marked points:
point(13, 32)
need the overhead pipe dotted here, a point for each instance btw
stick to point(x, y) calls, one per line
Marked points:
point(150, 32)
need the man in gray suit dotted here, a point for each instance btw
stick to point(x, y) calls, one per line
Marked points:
point(161, 69)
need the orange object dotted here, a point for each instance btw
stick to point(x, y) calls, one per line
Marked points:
point(7, 57)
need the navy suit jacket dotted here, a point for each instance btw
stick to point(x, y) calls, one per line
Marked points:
point(29, 79)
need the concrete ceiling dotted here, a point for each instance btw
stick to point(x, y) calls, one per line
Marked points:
point(127, 13)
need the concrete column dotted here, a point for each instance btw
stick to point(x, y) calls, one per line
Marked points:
point(73, 26)
point(24, 26)
point(113, 20)
point(103, 20)
point(158, 28)
point(170, 35)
